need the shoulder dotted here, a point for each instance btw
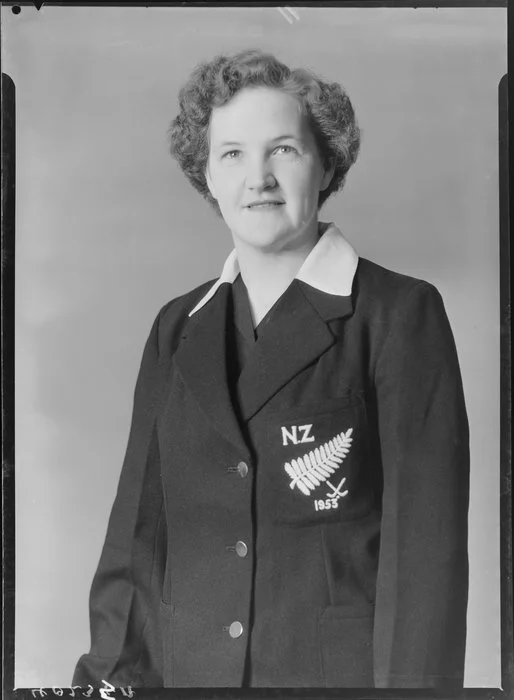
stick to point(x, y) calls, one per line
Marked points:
point(382, 292)
point(406, 323)
point(398, 308)
point(169, 323)
point(373, 280)
point(178, 308)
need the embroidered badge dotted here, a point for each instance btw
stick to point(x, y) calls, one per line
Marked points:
point(317, 466)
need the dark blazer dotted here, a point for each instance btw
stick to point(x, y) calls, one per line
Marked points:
point(346, 481)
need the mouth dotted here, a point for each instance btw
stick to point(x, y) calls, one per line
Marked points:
point(265, 204)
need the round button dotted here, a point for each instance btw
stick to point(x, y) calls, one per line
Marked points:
point(242, 468)
point(241, 549)
point(235, 630)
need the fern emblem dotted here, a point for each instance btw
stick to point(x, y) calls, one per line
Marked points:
point(315, 467)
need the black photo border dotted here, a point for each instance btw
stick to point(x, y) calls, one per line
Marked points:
point(8, 167)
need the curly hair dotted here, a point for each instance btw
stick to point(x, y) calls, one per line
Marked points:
point(212, 84)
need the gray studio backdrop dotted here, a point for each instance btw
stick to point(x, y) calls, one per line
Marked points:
point(108, 230)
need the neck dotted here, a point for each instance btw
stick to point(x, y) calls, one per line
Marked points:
point(267, 274)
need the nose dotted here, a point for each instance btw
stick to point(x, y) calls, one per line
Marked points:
point(259, 175)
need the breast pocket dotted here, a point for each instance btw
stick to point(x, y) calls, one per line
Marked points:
point(317, 464)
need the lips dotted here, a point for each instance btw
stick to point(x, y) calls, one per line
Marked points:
point(265, 204)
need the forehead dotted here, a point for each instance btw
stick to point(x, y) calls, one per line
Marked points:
point(257, 114)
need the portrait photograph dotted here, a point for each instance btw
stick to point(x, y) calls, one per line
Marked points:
point(260, 430)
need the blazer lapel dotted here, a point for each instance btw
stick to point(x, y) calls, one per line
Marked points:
point(297, 335)
point(201, 360)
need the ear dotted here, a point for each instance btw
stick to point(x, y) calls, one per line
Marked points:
point(327, 176)
point(208, 179)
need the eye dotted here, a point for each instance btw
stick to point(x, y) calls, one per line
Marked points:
point(231, 155)
point(284, 148)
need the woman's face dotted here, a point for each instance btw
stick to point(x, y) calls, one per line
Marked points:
point(265, 171)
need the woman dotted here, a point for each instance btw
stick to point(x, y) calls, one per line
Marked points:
point(292, 508)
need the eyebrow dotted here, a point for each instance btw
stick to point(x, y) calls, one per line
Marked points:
point(283, 137)
point(287, 136)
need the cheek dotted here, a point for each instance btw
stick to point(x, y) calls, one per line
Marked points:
point(227, 186)
point(304, 183)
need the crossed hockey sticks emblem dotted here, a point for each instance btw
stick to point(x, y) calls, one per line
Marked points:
point(336, 491)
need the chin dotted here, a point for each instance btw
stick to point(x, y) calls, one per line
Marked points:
point(268, 226)
point(265, 239)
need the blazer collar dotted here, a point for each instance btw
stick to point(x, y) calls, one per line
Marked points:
point(330, 266)
point(320, 292)
point(299, 335)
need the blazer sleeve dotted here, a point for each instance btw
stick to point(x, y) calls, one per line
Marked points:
point(422, 584)
point(127, 586)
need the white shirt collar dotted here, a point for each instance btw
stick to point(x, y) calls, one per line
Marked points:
point(329, 267)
